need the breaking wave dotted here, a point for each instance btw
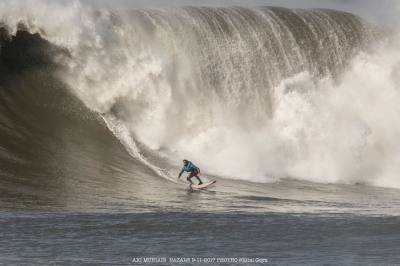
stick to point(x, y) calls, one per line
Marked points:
point(247, 93)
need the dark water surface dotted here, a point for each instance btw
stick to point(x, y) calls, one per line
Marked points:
point(39, 238)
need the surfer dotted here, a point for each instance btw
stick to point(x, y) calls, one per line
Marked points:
point(194, 171)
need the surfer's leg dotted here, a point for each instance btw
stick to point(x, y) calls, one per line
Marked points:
point(198, 178)
point(189, 178)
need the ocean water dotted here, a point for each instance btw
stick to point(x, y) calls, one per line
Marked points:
point(119, 239)
point(294, 112)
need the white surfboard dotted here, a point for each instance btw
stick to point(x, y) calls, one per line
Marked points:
point(202, 186)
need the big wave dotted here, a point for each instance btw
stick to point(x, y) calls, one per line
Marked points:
point(247, 93)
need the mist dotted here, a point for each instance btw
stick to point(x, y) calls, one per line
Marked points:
point(383, 12)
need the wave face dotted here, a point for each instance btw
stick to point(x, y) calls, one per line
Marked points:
point(247, 93)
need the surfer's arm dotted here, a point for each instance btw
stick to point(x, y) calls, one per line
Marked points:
point(179, 176)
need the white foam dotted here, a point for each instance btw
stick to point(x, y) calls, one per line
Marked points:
point(126, 139)
point(150, 83)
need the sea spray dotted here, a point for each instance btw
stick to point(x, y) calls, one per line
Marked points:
point(249, 93)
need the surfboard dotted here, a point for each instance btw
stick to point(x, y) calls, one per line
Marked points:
point(202, 186)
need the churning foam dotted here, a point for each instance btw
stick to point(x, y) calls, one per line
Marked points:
point(345, 132)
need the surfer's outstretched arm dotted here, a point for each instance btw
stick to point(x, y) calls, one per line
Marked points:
point(179, 176)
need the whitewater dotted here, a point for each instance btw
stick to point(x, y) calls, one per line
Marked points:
point(254, 94)
point(293, 111)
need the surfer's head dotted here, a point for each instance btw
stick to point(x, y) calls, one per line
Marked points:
point(185, 161)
